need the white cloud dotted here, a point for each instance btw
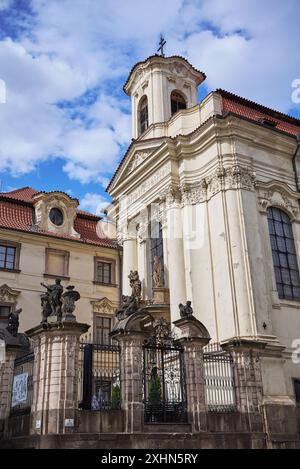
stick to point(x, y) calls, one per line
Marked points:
point(93, 203)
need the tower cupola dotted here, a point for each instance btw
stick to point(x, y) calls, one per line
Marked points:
point(159, 87)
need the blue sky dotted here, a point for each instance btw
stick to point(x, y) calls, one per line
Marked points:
point(66, 121)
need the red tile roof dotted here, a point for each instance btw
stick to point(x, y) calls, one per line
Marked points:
point(256, 112)
point(16, 213)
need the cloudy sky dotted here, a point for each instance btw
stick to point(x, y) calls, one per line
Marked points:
point(66, 121)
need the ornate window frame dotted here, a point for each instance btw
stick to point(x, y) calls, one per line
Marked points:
point(279, 195)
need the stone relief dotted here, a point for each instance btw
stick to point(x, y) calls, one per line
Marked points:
point(137, 159)
point(8, 295)
point(103, 306)
point(279, 196)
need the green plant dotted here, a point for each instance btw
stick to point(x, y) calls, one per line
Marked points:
point(155, 390)
point(115, 399)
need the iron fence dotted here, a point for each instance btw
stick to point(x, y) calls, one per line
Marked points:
point(22, 390)
point(219, 379)
point(99, 376)
point(164, 385)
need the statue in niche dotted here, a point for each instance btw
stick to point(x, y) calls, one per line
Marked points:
point(186, 311)
point(13, 322)
point(156, 276)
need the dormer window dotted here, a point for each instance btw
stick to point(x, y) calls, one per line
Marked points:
point(177, 102)
point(56, 216)
point(143, 114)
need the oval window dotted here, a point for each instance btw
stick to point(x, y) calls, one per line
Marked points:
point(56, 216)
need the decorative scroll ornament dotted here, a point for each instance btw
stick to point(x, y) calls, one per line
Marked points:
point(162, 335)
point(277, 196)
point(103, 306)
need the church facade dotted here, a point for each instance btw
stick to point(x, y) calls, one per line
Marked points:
point(211, 189)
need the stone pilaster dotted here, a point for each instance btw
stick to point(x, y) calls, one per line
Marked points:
point(6, 383)
point(131, 364)
point(55, 376)
point(246, 355)
point(194, 336)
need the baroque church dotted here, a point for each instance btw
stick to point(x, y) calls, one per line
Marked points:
point(211, 188)
point(201, 237)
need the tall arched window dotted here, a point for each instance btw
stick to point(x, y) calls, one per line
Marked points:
point(177, 102)
point(284, 254)
point(143, 114)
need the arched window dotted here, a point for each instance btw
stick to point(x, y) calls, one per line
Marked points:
point(284, 254)
point(143, 114)
point(177, 102)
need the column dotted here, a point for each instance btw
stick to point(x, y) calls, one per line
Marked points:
point(55, 377)
point(175, 256)
point(130, 261)
point(131, 367)
point(194, 336)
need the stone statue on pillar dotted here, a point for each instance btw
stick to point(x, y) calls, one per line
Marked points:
point(51, 300)
point(186, 311)
point(130, 304)
point(56, 303)
point(68, 303)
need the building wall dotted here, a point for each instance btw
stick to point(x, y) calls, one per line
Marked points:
point(81, 273)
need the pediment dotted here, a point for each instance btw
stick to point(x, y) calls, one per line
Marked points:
point(103, 306)
point(137, 155)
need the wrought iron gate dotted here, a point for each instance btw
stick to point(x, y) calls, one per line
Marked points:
point(164, 380)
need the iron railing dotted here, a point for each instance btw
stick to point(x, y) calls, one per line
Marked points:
point(22, 391)
point(164, 385)
point(99, 376)
point(219, 379)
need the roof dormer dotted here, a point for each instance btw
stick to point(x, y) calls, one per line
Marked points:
point(55, 212)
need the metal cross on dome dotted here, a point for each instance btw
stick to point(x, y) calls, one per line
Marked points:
point(162, 43)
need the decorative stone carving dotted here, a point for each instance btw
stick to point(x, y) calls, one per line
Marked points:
point(194, 193)
point(148, 184)
point(234, 177)
point(137, 159)
point(278, 194)
point(68, 303)
point(103, 306)
point(8, 295)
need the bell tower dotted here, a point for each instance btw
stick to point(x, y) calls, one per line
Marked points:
point(159, 87)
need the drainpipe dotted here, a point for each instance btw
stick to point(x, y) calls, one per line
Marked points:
point(294, 164)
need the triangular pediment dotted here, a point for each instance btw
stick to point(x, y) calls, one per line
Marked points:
point(136, 157)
